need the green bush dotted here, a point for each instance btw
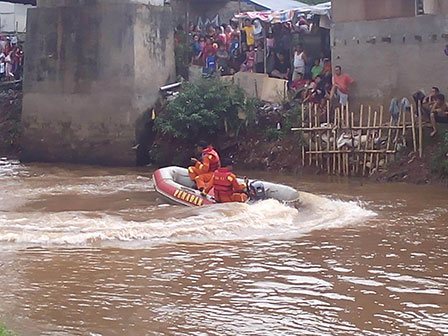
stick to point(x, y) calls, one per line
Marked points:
point(273, 134)
point(205, 109)
point(439, 163)
point(4, 331)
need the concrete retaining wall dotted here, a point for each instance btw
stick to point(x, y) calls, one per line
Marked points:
point(90, 74)
point(361, 10)
point(392, 58)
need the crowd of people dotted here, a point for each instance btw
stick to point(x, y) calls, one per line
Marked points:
point(248, 46)
point(232, 48)
point(228, 49)
point(11, 58)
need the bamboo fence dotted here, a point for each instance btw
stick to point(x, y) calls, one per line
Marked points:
point(342, 143)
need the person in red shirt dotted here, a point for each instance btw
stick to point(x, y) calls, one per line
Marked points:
point(209, 49)
point(226, 186)
point(341, 85)
point(299, 86)
point(203, 169)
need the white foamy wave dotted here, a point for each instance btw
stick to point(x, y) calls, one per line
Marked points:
point(263, 220)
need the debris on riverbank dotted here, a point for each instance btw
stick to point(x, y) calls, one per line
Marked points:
point(10, 119)
point(408, 167)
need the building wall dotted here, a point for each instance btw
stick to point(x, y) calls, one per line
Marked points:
point(87, 71)
point(361, 10)
point(435, 6)
point(13, 17)
point(394, 57)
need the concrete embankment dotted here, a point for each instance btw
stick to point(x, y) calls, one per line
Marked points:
point(91, 72)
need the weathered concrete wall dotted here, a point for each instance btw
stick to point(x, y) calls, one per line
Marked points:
point(394, 57)
point(90, 73)
point(203, 12)
point(435, 6)
point(361, 10)
point(443, 6)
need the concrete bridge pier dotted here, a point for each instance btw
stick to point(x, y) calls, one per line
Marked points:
point(92, 70)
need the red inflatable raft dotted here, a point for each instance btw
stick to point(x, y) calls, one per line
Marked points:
point(174, 185)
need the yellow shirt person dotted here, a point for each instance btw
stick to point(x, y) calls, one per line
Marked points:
point(250, 33)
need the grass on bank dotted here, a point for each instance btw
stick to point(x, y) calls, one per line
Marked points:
point(439, 161)
point(5, 331)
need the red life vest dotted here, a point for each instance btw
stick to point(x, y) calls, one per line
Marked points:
point(222, 183)
point(215, 162)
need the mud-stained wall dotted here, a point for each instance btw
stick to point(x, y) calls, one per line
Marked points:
point(90, 73)
point(394, 57)
point(361, 10)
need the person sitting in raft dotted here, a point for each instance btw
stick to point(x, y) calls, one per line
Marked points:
point(202, 171)
point(226, 187)
point(439, 112)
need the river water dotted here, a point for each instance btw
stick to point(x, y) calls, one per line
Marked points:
point(92, 251)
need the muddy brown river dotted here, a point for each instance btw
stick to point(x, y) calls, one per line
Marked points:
point(93, 251)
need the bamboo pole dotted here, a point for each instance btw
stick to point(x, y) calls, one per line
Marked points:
point(361, 116)
point(328, 138)
point(353, 168)
point(369, 151)
point(389, 135)
point(372, 143)
point(317, 139)
point(414, 133)
point(356, 128)
point(335, 135)
point(369, 116)
point(404, 128)
point(379, 136)
point(420, 127)
point(347, 123)
point(397, 131)
point(265, 48)
point(347, 115)
point(303, 144)
point(311, 134)
point(347, 163)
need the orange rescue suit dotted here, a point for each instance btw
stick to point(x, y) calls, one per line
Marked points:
point(202, 172)
point(227, 188)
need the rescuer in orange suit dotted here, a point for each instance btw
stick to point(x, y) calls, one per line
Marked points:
point(202, 171)
point(227, 188)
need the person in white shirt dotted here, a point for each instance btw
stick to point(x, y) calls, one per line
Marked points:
point(299, 62)
point(2, 65)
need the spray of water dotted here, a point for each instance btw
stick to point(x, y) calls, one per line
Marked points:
point(263, 220)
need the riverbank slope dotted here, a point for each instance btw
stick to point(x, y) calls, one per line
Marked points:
point(269, 146)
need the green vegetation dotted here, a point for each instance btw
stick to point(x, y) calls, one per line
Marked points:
point(439, 163)
point(4, 331)
point(206, 109)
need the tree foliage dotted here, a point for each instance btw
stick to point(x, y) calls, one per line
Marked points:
point(205, 109)
point(4, 331)
point(440, 160)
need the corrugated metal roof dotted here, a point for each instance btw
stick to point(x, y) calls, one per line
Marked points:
point(277, 5)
